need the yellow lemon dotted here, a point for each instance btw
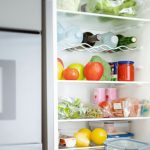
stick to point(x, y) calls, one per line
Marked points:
point(81, 140)
point(86, 131)
point(60, 70)
point(98, 136)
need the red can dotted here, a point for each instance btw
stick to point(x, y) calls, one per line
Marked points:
point(125, 71)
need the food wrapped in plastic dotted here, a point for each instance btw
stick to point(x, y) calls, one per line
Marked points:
point(93, 112)
point(106, 108)
point(73, 108)
point(134, 106)
point(126, 107)
point(71, 5)
point(145, 109)
point(70, 108)
point(118, 107)
point(114, 7)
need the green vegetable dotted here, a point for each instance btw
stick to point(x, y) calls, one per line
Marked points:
point(113, 7)
point(93, 112)
point(72, 108)
point(107, 69)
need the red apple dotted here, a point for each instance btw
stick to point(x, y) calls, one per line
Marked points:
point(93, 71)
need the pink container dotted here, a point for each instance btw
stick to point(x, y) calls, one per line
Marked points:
point(99, 95)
point(111, 94)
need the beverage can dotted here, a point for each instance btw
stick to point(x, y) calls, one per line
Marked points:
point(114, 70)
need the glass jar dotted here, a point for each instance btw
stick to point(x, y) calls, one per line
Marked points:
point(125, 71)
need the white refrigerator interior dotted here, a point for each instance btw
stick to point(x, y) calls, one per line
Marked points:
point(140, 56)
point(137, 26)
point(20, 90)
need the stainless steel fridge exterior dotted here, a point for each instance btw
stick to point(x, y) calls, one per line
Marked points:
point(20, 91)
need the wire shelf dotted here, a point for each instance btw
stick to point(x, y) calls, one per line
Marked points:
point(84, 47)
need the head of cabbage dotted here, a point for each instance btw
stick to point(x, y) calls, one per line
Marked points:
point(113, 7)
point(71, 5)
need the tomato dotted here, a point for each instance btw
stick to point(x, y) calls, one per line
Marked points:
point(93, 71)
point(104, 104)
point(71, 74)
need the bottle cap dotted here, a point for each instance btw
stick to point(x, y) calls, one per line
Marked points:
point(114, 39)
point(134, 39)
point(99, 37)
point(125, 62)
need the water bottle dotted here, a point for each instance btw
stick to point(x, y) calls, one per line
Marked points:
point(109, 40)
point(68, 37)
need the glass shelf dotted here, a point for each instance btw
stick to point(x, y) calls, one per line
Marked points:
point(102, 119)
point(83, 148)
point(104, 15)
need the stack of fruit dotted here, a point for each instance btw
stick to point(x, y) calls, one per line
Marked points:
point(85, 137)
point(96, 69)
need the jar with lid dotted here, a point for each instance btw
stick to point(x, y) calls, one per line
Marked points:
point(125, 71)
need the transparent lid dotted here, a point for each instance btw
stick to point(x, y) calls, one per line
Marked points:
point(127, 144)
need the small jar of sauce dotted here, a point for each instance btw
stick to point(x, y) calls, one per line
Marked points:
point(125, 71)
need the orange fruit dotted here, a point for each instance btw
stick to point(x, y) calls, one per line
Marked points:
point(81, 140)
point(86, 131)
point(99, 136)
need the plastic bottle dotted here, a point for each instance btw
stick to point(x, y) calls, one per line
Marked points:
point(109, 40)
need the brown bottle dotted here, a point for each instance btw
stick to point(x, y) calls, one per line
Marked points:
point(90, 39)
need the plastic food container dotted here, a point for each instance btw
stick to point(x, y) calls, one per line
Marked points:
point(99, 95)
point(117, 126)
point(126, 144)
point(111, 94)
point(125, 71)
point(145, 110)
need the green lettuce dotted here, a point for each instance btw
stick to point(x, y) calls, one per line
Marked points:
point(113, 7)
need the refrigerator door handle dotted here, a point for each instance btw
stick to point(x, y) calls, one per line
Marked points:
point(7, 90)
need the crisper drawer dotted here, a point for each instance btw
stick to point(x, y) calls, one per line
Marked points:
point(22, 14)
point(22, 147)
point(20, 88)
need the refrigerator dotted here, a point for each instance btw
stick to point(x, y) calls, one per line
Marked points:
point(20, 90)
point(86, 16)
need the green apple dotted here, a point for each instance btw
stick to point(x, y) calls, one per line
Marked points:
point(80, 69)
